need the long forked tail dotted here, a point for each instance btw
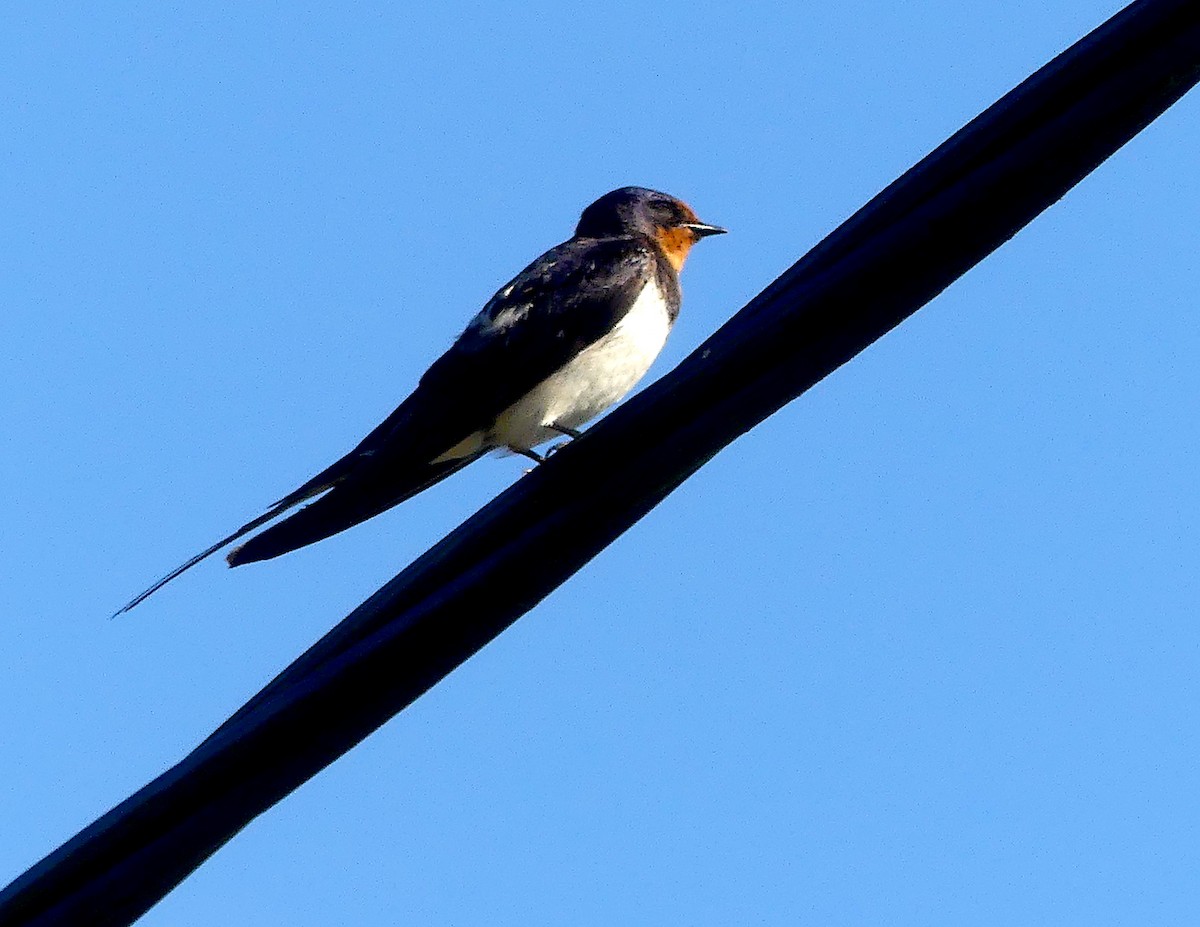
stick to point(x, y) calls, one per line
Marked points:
point(352, 499)
point(307, 491)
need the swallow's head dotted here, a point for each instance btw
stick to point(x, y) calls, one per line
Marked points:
point(638, 211)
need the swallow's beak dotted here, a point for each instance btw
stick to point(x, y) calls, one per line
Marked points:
point(702, 230)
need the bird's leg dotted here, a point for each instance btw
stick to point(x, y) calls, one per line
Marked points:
point(528, 452)
point(571, 433)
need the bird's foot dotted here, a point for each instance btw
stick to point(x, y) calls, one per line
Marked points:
point(530, 453)
point(571, 433)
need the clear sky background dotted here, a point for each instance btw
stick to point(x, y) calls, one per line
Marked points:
point(921, 649)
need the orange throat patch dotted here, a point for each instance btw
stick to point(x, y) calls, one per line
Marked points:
point(676, 243)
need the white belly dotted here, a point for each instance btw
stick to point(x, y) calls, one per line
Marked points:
point(600, 376)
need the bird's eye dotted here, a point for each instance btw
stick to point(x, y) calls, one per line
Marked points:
point(670, 214)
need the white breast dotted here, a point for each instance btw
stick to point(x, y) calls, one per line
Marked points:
point(600, 376)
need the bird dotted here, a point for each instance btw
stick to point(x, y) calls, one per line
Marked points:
point(556, 346)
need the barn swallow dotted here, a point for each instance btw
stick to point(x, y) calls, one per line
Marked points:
point(557, 345)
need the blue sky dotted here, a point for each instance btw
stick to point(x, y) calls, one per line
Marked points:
point(920, 649)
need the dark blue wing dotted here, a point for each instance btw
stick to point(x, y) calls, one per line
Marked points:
point(567, 299)
point(564, 301)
